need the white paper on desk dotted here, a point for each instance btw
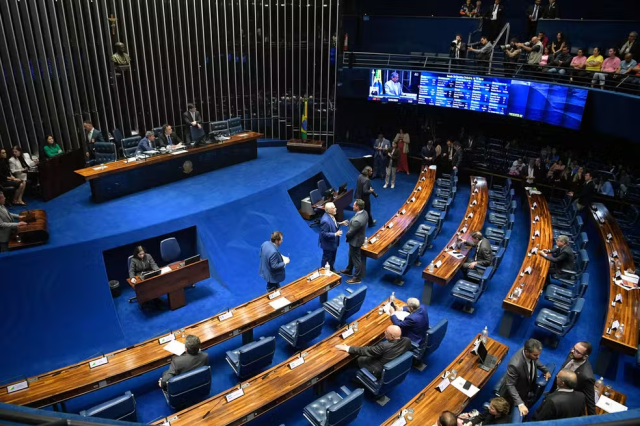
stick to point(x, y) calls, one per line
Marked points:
point(279, 303)
point(178, 151)
point(165, 270)
point(242, 135)
point(401, 315)
point(609, 405)
point(99, 168)
point(615, 325)
point(175, 347)
point(459, 383)
point(456, 254)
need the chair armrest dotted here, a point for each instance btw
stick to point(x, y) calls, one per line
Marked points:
point(368, 375)
point(349, 290)
point(345, 390)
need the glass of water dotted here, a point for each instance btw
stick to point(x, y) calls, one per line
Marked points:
point(607, 390)
point(355, 326)
point(453, 375)
point(410, 414)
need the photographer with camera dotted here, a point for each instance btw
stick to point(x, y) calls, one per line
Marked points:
point(535, 49)
point(511, 56)
point(482, 52)
point(364, 190)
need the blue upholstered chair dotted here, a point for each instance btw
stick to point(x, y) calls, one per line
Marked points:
point(235, 125)
point(129, 146)
point(399, 265)
point(449, 192)
point(504, 242)
point(565, 219)
point(333, 410)
point(342, 307)
point(393, 373)
point(196, 133)
point(426, 233)
point(157, 131)
point(322, 186)
point(105, 152)
point(131, 299)
point(432, 340)
point(504, 205)
point(303, 330)
point(502, 219)
point(169, 249)
point(435, 218)
point(253, 357)
point(442, 204)
point(478, 272)
point(188, 388)
point(120, 408)
point(406, 248)
point(470, 291)
point(559, 323)
point(497, 234)
point(572, 232)
point(638, 358)
point(562, 297)
point(500, 192)
point(219, 128)
point(580, 243)
point(582, 262)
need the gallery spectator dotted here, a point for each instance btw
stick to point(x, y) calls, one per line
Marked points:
point(534, 12)
point(625, 67)
point(552, 11)
point(534, 47)
point(609, 65)
point(467, 9)
point(578, 63)
point(511, 56)
point(631, 46)
point(543, 39)
point(559, 42)
point(477, 11)
point(561, 61)
point(458, 49)
point(544, 60)
point(482, 54)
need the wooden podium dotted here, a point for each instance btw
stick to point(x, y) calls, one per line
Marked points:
point(307, 146)
point(36, 232)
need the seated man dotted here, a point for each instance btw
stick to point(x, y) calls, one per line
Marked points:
point(145, 143)
point(564, 402)
point(190, 360)
point(168, 139)
point(483, 255)
point(373, 358)
point(562, 257)
point(415, 325)
point(447, 418)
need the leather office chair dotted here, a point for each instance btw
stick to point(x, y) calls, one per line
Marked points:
point(559, 323)
point(304, 329)
point(157, 131)
point(342, 307)
point(121, 408)
point(169, 249)
point(400, 265)
point(196, 133)
point(316, 196)
point(235, 125)
point(188, 388)
point(131, 299)
point(129, 146)
point(333, 410)
point(253, 357)
point(117, 137)
point(563, 298)
point(322, 186)
point(105, 152)
point(470, 291)
point(393, 373)
point(432, 340)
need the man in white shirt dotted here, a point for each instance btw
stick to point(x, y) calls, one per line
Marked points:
point(393, 87)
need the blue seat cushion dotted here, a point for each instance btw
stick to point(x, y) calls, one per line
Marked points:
point(317, 410)
point(120, 408)
point(336, 304)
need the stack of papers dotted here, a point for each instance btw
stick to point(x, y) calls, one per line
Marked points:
point(175, 347)
point(459, 382)
point(456, 254)
point(279, 303)
point(165, 270)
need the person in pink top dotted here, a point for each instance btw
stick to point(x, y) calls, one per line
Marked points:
point(578, 63)
point(609, 65)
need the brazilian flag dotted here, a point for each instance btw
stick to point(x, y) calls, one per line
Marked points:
point(303, 130)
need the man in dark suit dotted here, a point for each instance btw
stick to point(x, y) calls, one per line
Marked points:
point(192, 118)
point(168, 139)
point(585, 195)
point(355, 238)
point(483, 255)
point(494, 20)
point(190, 360)
point(272, 263)
point(373, 358)
point(564, 402)
point(93, 135)
point(552, 11)
point(364, 191)
point(578, 362)
point(416, 324)
point(146, 143)
point(534, 12)
point(329, 238)
point(561, 258)
point(456, 159)
point(520, 381)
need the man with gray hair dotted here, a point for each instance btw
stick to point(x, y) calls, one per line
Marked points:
point(393, 87)
point(356, 236)
point(329, 238)
point(564, 402)
point(146, 143)
point(190, 360)
point(415, 325)
point(562, 258)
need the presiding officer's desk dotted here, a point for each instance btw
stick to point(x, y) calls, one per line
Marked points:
point(531, 285)
point(280, 383)
point(75, 380)
point(450, 265)
point(400, 223)
point(341, 201)
point(58, 175)
point(430, 403)
point(122, 177)
point(172, 283)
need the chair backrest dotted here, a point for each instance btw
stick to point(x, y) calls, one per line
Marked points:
point(129, 263)
point(235, 125)
point(584, 260)
point(345, 411)
point(498, 258)
point(309, 326)
point(433, 338)
point(583, 239)
point(353, 302)
point(322, 186)
point(412, 256)
point(315, 196)
point(129, 145)
point(256, 355)
point(117, 135)
point(512, 220)
point(120, 408)
point(169, 249)
point(105, 152)
point(188, 388)
point(220, 128)
point(157, 131)
point(507, 237)
point(195, 133)
point(514, 206)
point(394, 372)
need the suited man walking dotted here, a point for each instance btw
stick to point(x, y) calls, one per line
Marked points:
point(190, 360)
point(483, 255)
point(416, 324)
point(564, 402)
point(520, 382)
point(364, 192)
point(561, 258)
point(329, 238)
point(7, 224)
point(356, 237)
point(373, 358)
point(272, 263)
point(93, 135)
point(578, 362)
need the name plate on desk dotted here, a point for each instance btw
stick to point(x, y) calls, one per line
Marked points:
point(534, 205)
point(614, 253)
point(443, 385)
point(373, 240)
point(474, 203)
point(166, 339)
point(536, 234)
point(98, 362)
point(296, 363)
point(438, 263)
point(347, 333)
point(225, 316)
point(390, 225)
point(419, 188)
point(413, 199)
point(274, 295)
point(537, 218)
point(470, 215)
point(234, 395)
point(475, 191)
point(313, 276)
point(403, 211)
point(609, 236)
point(17, 386)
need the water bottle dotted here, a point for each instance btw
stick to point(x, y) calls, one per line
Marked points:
point(393, 297)
point(431, 266)
point(327, 269)
point(619, 331)
point(485, 334)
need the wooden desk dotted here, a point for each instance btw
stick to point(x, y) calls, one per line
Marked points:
point(430, 403)
point(57, 174)
point(618, 397)
point(341, 201)
point(122, 177)
point(35, 233)
point(75, 380)
point(450, 265)
point(171, 283)
point(387, 237)
point(626, 312)
point(280, 383)
point(306, 145)
point(534, 282)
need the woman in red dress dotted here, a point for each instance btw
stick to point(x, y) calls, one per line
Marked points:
point(403, 141)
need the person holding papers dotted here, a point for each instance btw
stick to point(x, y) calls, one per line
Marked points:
point(190, 360)
point(141, 262)
point(483, 255)
point(272, 263)
point(564, 402)
point(562, 258)
point(413, 320)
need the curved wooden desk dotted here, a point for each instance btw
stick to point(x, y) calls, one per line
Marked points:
point(280, 383)
point(75, 380)
point(36, 232)
point(430, 403)
point(386, 237)
point(450, 264)
point(532, 284)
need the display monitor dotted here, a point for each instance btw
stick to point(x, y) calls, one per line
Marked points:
point(394, 86)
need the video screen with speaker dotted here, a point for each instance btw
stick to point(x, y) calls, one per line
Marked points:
point(394, 86)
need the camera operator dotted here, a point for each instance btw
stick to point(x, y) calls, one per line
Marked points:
point(482, 52)
point(511, 56)
point(535, 49)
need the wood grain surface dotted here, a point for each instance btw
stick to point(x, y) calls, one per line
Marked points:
point(75, 380)
point(617, 396)
point(387, 237)
point(280, 383)
point(533, 284)
point(625, 312)
point(36, 232)
point(451, 265)
point(430, 403)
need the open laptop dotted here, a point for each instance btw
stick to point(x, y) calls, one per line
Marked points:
point(487, 361)
point(193, 259)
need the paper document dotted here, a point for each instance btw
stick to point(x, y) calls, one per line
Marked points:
point(459, 383)
point(175, 347)
point(178, 151)
point(609, 405)
point(165, 270)
point(456, 254)
point(401, 315)
point(279, 303)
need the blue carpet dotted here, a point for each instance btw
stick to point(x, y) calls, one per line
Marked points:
point(241, 206)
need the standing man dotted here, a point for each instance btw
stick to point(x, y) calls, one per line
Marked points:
point(564, 402)
point(483, 255)
point(329, 238)
point(381, 146)
point(415, 325)
point(456, 159)
point(428, 154)
point(561, 258)
point(578, 362)
point(482, 55)
point(192, 118)
point(146, 143)
point(355, 238)
point(93, 135)
point(364, 191)
point(585, 195)
point(519, 385)
point(7, 224)
point(167, 139)
point(272, 263)
point(534, 12)
point(495, 19)
point(552, 11)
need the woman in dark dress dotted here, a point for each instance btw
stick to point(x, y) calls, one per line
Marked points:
point(496, 414)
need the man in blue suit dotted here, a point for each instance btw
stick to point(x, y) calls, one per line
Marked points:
point(272, 263)
point(329, 238)
point(416, 324)
point(145, 143)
